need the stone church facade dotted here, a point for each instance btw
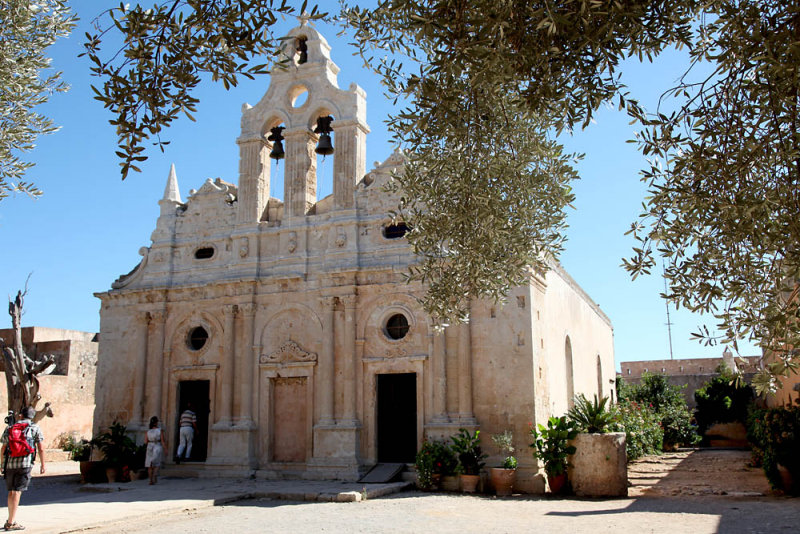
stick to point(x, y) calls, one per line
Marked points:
point(290, 328)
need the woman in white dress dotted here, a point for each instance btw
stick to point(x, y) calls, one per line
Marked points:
point(155, 449)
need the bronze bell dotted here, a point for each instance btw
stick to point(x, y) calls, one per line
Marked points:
point(277, 147)
point(324, 145)
point(302, 49)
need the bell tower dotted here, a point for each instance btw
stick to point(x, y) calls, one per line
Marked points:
point(299, 95)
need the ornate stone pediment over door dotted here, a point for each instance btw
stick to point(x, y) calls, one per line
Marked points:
point(288, 352)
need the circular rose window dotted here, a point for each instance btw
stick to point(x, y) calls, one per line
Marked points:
point(397, 326)
point(197, 338)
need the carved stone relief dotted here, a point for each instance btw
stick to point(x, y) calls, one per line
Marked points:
point(287, 353)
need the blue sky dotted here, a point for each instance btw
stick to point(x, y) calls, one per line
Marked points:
point(88, 227)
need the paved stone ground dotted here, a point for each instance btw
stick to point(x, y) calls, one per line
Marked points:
point(700, 472)
point(687, 492)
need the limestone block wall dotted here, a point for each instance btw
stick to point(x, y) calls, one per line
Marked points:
point(70, 389)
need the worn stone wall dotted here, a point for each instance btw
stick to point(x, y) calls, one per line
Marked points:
point(577, 344)
point(688, 374)
point(70, 388)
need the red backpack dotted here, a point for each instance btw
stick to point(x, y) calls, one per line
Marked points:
point(18, 444)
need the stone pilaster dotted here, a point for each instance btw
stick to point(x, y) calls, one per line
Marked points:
point(349, 162)
point(228, 367)
point(253, 179)
point(439, 371)
point(452, 372)
point(300, 174)
point(350, 364)
point(142, 321)
point(465, 414)
point(247, 366)
point(158, 321)
point(326, 363)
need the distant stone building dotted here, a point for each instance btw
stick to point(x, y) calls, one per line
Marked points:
point(690, 372)
point(289, 326)
point(70, 387)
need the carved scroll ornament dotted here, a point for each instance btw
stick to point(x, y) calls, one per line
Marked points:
point(287, 353)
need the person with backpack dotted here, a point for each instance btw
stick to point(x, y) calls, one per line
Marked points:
point(19, 455)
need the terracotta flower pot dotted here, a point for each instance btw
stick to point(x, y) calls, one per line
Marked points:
point(557, 482)
point(450, 483)
point(469, 483)
point(86, 468)
point(111, 474)
point(503, 480)
point(786, 479)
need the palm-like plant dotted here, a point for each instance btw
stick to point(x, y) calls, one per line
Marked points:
point(593, 417)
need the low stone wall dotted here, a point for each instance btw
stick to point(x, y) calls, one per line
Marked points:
point(599, 467)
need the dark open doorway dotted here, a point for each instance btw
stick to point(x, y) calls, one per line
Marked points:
point(196, 392)
point(397, 417)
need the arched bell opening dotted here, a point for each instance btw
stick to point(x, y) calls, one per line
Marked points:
point(301, 50)
point(325, 151)
point(276, 146)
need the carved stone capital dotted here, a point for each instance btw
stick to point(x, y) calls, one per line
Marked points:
point(230, 309)
point(157, 316)
point(248, 309)
point(349, 301)
point(328, 302)
point(288, 352)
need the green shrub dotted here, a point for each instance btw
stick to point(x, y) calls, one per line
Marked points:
point(723, 399)
point(676, 422)
point(667, 403)
point(593, 417)
point(775, 436)
point(643, 432)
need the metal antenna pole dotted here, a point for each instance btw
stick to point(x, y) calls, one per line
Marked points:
point(666, 303)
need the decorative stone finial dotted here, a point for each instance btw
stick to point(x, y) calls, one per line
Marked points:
point(304, 18)
point(171, 192)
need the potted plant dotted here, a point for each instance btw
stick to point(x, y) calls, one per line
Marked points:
point(446, 464)
point(467, 448)
point(503, 477)
point(551, 446)
point(118, 450)
point(80, 451)
point(137, 469)
point(423, 464)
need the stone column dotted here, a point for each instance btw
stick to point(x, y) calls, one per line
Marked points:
point(247, 366)
point(253, 179)
point(439, 370)
point(326, 363)
point(228, 366)
point(349, 162)
point(158, 320)
point(350, 362)
point(465, 373)
point(300, 174)
point(142, 321)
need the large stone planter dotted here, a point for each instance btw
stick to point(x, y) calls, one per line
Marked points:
point(599, 467)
